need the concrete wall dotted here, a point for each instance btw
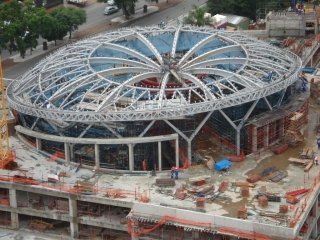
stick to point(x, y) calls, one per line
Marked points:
point(285, 25)
point(156, 212)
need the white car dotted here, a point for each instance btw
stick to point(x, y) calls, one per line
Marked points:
point(111, 2)
point(110, 9)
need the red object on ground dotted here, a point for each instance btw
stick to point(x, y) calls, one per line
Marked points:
point(253, 178)
point(280, 149)
point(298, 192)
point(235, 158)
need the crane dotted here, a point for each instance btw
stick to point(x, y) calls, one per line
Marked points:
point(6, 155)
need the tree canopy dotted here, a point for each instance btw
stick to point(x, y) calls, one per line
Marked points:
point(127, 6)
point(197, 17)
point(21, 25)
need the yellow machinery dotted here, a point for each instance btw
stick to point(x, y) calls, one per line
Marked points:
point(5, 152)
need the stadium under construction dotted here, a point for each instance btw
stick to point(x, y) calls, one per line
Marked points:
point(118, 99)
point(144, 99)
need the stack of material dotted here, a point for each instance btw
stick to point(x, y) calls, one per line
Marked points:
point(223, 186)
point(263, 201)
point(253, 178)
point(165, 182)
point(292, 199)
point(180, 194)
point(245, 191)
point(243, 184)
point(283, 208)
point(200, 202)
point(203, 190)
point(242, 213)
point(277, 176)
point(40, 225)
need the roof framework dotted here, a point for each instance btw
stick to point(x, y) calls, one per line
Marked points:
point(103, 79)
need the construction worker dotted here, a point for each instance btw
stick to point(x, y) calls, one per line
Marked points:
point(172, 172)
point(318, 142)
point(176, 172)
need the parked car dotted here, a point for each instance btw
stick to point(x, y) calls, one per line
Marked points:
point(110, 9)
point(111, 2)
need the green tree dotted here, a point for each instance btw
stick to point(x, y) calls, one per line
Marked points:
point(71, 18)
point(127, 6)
point(20, 26)
point(33, 18)
point(197, 17)
point(52, 29)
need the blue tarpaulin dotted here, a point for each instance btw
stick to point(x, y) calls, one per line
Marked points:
point(222, 165)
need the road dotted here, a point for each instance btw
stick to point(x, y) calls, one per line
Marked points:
point(95, 16)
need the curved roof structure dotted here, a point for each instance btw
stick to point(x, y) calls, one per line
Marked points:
point(152, 73)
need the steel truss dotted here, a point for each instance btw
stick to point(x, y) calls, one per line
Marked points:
point(66, 87)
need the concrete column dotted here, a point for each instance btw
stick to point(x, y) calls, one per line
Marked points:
point(266, 136)
point(97, 155)
point(131, 157)
point(281, 128)
point(254, 139)
point(67, 152)
point(13, 204)
point(38, 144)
point(177, 152)
point(238, 141)
point(74, 227)
point(159, 156)
point(71, 152)
point(189, 152)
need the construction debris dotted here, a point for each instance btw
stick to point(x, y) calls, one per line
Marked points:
point(180, 194)
point(307, 153)
point(199, 181)
point(203, 189)
point(298, 161)
point(84, 187)
point(272, 197)
point(309, 166)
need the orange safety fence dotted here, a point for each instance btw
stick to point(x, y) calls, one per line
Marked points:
point(184, 159)
point(241, 234)
point(162, 220)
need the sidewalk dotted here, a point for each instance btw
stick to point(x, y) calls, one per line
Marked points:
point(112, 24)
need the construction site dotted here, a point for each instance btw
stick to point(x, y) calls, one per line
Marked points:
point(164, 132)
